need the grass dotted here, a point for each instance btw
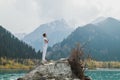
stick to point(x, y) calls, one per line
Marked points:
point(26, 64)
point(92, 64)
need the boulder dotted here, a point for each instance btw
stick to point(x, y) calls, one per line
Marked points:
point(55, 70)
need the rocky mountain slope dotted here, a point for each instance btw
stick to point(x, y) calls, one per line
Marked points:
point(102, 38)
point(56, 32)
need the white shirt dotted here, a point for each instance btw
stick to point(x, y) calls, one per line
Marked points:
point(45, 39)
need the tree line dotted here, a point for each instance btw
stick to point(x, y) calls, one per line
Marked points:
point(12, 47)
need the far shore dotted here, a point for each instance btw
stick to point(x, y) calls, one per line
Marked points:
point(109, 69)
point(14, 69)
point(105, 69)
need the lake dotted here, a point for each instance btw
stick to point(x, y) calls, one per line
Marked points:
point(11, 74)
point(104, 74)
point(100, 74)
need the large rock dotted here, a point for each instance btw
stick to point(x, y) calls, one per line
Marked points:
point(59, 70)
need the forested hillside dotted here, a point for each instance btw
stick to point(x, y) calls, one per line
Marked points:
point(11, 47)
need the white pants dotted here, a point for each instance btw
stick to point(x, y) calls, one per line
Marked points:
point(44, 52)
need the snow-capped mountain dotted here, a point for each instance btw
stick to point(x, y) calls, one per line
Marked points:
point(56, 31)
point(20, 35)
point(103, 41)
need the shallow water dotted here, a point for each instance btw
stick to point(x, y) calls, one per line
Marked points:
point(11, 74)
point(101, 74)
point(104, 74)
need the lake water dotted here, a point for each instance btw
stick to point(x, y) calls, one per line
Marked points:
point(101, 74)
point(11, 74)
point(104, 74)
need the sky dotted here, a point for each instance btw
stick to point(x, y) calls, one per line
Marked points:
point(24, 16)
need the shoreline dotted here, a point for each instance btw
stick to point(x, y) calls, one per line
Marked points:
point(103, 69)
point(14, 69)
point(23, 67)
point(117, 69)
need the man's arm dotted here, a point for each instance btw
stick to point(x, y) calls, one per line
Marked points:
point(46, 41)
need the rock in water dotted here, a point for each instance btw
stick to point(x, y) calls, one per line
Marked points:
point(59, 70)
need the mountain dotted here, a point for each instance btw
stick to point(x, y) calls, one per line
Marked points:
point(56, 32)
point(111, 26)
point(99, 19)
point(102, 41)
point(20, 35)
point(12, 47)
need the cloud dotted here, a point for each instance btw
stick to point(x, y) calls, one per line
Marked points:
point(27, 15)
point(19, 15)
point(78, 10)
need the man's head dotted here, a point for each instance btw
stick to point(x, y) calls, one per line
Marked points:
point(44, 35)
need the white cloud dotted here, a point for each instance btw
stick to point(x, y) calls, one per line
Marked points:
point(19, 15)
point(26, 15)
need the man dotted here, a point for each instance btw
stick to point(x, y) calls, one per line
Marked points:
point(44, 47)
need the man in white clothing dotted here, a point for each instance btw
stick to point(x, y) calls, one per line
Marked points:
point(44, 47)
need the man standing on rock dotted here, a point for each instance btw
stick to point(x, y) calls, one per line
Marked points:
point(44, 47)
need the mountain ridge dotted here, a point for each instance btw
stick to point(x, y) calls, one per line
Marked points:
point(103, 43)
point(56, 31)
point(13, 48)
